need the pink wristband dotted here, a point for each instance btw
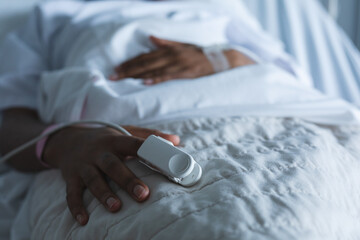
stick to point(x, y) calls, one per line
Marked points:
point(40, 145)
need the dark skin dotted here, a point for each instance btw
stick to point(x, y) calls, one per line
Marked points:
point(173, 60)
point(83, 155)
point(86, 155)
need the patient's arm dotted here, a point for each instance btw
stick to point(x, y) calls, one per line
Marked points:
point(174, 60)
point(19, 126)
point(84, 156)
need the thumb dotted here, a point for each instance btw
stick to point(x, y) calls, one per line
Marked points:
point(158, 42)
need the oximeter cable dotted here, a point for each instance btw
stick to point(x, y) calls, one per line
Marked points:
point(57, 128)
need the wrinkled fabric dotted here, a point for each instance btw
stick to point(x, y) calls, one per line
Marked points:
point(317, 43)
point(21, 89)
point(66, 34)
point(256, 90)
point(263, 178)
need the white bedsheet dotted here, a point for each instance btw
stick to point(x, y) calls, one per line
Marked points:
point(80, 89)
point(13, 14)
point(258, 90)
point(12, 201)
point(316, 41)
point(302, 25)
point(263, 178)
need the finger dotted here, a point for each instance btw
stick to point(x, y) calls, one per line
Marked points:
point(74, 198)
point(141, 68)
point(143, 57)
point(121, 174)
point(173, 66)
point(160, 43)
point(126, 145)
point(181, 73)
point(146, 132)
point(95, 182)
point(140, 62)
point(189, 72)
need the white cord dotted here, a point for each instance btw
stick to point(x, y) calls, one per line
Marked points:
point(60, 126)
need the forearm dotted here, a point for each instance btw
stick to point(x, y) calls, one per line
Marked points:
point(19, 126)
point(237, 59)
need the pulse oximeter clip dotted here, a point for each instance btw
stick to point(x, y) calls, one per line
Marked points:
point(162, 156)
point(156, 153)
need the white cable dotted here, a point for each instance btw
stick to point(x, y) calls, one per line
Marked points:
point(59, 127)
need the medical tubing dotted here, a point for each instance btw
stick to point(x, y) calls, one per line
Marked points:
point(59, 127)
point(215, 55)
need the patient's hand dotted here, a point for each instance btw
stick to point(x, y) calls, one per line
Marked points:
point(86, 156)
point(173, 60)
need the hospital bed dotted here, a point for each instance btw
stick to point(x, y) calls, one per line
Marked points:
point(264, 177)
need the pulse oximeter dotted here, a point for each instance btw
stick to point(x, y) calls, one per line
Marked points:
point(162, 156)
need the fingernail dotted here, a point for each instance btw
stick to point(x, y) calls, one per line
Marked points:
point(80, 219)
point(176, 139)
point(111, 202)
point(140, 192)
point(148, 81)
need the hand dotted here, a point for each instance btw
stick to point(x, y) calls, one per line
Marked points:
point(173, 60)
point(170, 61)
point(86, 155)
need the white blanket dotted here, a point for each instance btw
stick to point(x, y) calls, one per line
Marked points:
point(258, 90)
point(80, 90)
point(264, 178)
